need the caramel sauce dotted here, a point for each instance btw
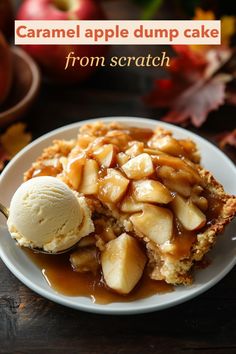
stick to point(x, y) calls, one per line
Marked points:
point(183, 241)
point(59, 274)
point(140, 134)
point(183, 244)
point(46, 171)
point(215, 206)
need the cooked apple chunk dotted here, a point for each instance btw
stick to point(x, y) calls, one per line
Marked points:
point(122, 158)
point(89, 183)
point(136, 148)
point(196, 197)
point(154, 222)
point(180, 181)
point(74, 170)
point(168, 145)
point(200, 202)
point(85, 260)
point(105, 155)
point(182, 188)
point(190, 216)
point(123, 263)
point(139, 167)
point(178, 164)
point(190, 149)
point(151, 191)
point(153, 151)
point(112, 187)
point(129, 205)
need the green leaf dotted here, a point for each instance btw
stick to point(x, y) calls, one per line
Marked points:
point(150, 8)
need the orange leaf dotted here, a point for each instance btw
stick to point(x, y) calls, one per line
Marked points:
point(14, 139)
point(228, 27)
point(200, 14)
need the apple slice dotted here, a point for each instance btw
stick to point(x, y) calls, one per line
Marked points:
point(151, 191)
point(105, 155)
point(74, 170)
point(129, 205)
point(153, 151)
point(85, 260)
point(200, 201)
point(122, 158)
point(180, 181)
point(182, 188)
point(190, 149)
point(112, 187)
point(123, 263)
point(139, 167)
point(168, 145)
point(135, 149)
point(154, 222)
point(89, 184)
point(190, 216)
point(177, 164)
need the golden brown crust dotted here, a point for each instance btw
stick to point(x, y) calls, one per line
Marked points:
point(178, 271)
point(51, 156)
point(99, 129)
point(207, 239)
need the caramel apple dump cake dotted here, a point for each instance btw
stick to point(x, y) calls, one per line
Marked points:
point(155, 210)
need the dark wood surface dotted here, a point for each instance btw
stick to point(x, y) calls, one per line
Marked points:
point(32, 324)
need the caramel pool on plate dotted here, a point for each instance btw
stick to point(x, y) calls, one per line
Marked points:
point(59, 274)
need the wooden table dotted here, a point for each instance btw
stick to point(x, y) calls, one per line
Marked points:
point(32, 324)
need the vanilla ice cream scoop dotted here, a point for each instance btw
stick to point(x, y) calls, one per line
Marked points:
point(46, 214)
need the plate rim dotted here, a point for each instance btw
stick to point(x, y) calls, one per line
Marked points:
point(97, 308)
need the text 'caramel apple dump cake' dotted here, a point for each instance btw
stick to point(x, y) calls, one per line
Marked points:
point(154, 211)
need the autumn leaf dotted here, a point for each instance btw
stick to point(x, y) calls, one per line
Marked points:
point(228, 27)
point(228, 138)
point(197, 101)
point(187, 64)
point(15, 139)
point(12, 141)
point(197, 77)
point(185, 69)
point(194, 88)
point(201, 14)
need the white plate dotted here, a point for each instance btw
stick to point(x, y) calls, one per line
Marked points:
point(223, 255)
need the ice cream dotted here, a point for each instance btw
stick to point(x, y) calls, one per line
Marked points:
point(45, 213)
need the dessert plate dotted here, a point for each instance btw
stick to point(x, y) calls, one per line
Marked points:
point(223, 256)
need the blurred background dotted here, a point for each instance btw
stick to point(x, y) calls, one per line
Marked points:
point(198, 91)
